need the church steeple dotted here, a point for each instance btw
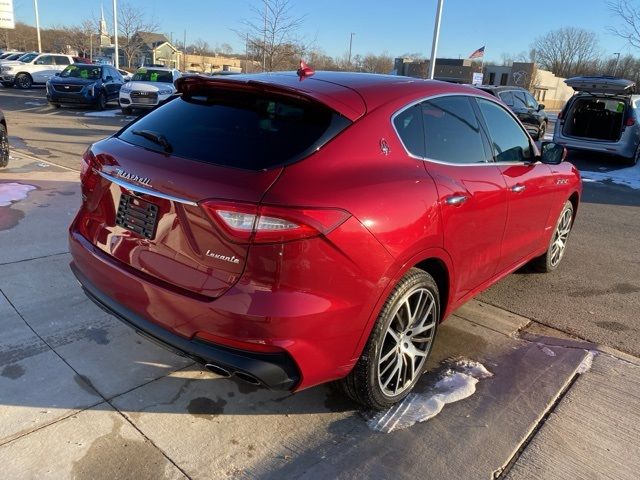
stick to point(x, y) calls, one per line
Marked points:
point(105, 39)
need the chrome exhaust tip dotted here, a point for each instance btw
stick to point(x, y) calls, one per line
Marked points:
point(246, 377)
point(218, 370)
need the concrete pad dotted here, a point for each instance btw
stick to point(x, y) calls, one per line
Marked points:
point(37, 226)
point(17, 340)
point(96, 444)
point(110, 355)
point(492, 317)
point(213, 427)
point(594, 432)
point(38, 390)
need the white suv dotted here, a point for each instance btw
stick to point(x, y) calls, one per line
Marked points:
point(149, 86)
point(33, 68)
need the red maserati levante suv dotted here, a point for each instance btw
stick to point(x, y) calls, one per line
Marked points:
point(298, 229)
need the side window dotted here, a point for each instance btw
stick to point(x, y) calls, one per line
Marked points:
point(452, 131)
point(509, 142)
point(519, 101)
point(408, 124)
point(45, 60)
point(60, 60)
point(506, 97)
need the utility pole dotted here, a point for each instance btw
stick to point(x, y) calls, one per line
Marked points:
point(116, 61)
point(35, 5)
point(615, 68)
point(264, 40)
point(434, 44)
point(350, 45)
point(184, 47)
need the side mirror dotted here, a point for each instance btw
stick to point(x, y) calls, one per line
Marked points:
point(127, 80)
point(540, 106)
point(552, 153)
point(57, 74)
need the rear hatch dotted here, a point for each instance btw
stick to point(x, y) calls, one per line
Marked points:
point(601, 85)
point(161, 196)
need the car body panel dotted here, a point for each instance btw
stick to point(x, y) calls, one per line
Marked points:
point(316, 298)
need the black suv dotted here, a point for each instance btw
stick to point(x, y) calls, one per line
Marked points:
point(527, 109)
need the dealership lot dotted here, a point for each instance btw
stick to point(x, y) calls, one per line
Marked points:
point(101, 401)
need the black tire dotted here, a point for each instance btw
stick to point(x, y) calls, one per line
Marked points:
point(4, 147)
point(633, 160)
point(7, 84)
point(101, 101)
point(364, 383)
point(127, 111)
point(24, 81)
point(55, 105)
point(549, 261)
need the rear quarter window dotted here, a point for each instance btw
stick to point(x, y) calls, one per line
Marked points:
point(242, 130)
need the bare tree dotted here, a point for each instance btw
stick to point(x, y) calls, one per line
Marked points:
point(271, 34)
point(132, 20)
point(629, 13)
point(567, 51)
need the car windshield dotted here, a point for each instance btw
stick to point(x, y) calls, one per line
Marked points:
point(14, 56)
point(27, 57)
point(89, 72)
point(149, 75)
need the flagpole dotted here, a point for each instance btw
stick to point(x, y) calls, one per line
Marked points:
point(434, 44)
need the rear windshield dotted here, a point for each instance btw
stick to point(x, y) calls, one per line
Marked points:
point(243, 130)
point(150, 75)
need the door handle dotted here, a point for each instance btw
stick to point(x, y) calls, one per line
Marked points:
point(456, 200)
point(517, 188)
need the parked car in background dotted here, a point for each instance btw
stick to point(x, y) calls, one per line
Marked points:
point(297, 230)
point(602, 116)
point(82, 60)
point(148, 87)
point(5, 55)
point(33, 69)
point(127, 76)
point(4, 142)
point(11, 56)
point(527, 109)
point(85, 84)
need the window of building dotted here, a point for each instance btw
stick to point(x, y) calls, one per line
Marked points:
point(504, 78)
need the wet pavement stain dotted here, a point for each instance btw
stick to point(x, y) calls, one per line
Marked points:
point(113, 457)
point(612, 326)
point(10, 217)
point(85, 384)
point(97, 335)
point(336, 401)
point(206, 408)
point(620, 288)
point(13, 372)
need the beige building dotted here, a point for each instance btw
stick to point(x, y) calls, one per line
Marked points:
point(209, 64)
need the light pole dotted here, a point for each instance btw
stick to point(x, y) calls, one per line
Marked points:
point(116, 60)
point(350, 45)
point(35, 5)
point(434, 44)
point(615, 68)
point(264, 39)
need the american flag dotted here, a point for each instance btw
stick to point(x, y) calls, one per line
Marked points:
point(479, 53)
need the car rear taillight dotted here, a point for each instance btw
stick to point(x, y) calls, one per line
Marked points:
point(250, 223)
point(88, 175)
point(630, 122)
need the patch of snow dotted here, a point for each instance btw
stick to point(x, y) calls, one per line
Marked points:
point(456, 382)
point(13, 192)
point(625, 176)
point(37, 104)
point(586, 363)
point(547, 351)
point(104, 113)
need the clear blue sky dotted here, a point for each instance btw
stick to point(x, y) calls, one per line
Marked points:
point(396, 26)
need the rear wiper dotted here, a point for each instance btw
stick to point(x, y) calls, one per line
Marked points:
point(155, 138)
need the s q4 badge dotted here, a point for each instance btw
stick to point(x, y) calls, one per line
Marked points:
point(384, 147)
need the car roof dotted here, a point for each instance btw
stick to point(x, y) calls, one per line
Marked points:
point(499, 88)
point(162, 69)
point(349, 93)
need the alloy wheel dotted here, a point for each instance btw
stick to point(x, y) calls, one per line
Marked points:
point(560, 237)
point(24, 81)
point(407, 341)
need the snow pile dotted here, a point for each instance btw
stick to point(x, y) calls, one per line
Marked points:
point(457, 382)
point(625, 176)
point(13, 192)
point(35, 104)
point(104, 113)
point(586, 363)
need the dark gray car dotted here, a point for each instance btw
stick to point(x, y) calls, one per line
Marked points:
point(601, 117)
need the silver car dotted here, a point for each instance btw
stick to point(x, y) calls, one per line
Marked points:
point(601, 117)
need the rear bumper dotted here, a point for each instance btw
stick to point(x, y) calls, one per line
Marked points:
point(274, 370)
